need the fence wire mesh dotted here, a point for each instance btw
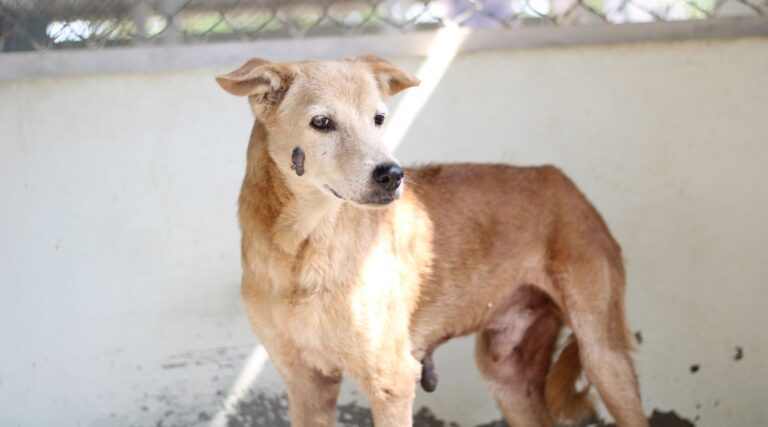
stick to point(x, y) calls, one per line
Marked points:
point(27, 25)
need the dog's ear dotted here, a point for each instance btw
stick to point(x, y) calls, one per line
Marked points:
point(260, 80)
point(390, 78)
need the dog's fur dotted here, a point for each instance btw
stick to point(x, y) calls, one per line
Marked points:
point(340, 278)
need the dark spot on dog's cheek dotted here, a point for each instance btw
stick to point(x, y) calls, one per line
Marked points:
point(694, 368)
point(739, 354)
point(297, 161)
point(639, 337)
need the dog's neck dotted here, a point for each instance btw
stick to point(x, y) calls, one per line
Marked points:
point(289, 209)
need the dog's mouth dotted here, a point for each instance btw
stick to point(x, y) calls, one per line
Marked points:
point(374, 199)
point(381, 199)
point(334, 192)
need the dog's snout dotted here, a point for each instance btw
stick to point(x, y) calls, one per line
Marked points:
point(388, 176)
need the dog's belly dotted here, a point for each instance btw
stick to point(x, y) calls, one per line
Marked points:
point(518, 322)
point(510, 325)
point(508, 302)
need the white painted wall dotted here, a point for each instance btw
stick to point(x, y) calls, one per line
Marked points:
point(119, 257)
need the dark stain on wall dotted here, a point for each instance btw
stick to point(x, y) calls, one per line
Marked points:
point(639, 337)
point(694, 368)
point(739, 354)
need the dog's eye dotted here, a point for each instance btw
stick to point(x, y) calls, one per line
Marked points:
point(378, 119)
point(322, 123)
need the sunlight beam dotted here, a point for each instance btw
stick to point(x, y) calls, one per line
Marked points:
point(247, 377)
point(441, 53)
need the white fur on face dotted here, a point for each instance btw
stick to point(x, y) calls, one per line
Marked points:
point(339, 162)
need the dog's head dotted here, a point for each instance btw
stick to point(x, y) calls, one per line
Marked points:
point(323, 120)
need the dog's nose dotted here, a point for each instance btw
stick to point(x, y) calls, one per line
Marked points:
point(388, 176)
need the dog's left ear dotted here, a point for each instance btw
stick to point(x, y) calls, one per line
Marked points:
point(260, 80)
point(390, 78)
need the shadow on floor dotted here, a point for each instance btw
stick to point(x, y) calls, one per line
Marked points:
point(263, 410)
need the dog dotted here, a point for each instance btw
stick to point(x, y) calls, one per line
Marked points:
point(355, 266)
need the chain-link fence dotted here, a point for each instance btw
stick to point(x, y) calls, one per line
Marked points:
point(41, 24)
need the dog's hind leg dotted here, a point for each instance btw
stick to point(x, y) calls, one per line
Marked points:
point(516, 369)
point(593, 302)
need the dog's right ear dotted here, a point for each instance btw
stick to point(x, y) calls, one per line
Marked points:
point(260, 80)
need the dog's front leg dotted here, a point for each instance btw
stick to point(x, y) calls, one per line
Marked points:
point(391, 388)
point(393, 407)
point(312, 394)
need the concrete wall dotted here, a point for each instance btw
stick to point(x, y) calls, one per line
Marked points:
point(119, 258)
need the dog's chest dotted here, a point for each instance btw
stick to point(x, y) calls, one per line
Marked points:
point(348, 311)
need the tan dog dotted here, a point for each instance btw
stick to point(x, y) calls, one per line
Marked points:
point(350, 268)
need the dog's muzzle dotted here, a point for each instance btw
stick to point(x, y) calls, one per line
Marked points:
point(387, 180)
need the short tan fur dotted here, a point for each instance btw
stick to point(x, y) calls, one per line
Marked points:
point(349, 273)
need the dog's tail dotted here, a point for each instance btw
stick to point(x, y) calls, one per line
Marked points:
point(566, 403)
